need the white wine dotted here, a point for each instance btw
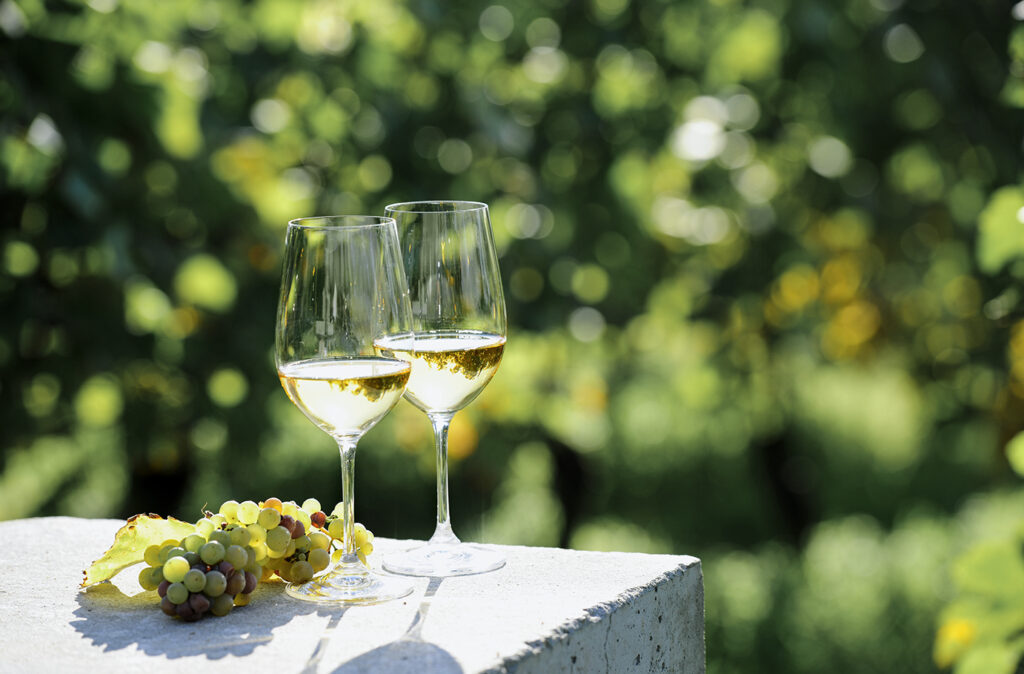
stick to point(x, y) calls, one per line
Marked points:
point(449, 368)
point(345, 396)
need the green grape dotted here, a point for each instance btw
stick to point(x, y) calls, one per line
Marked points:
point(177, 593)
point(152, 555)
point(229, 509)
point(301, 572)
point(336, 529)
point(236, 556)
point(222, 537)
point(158, 574)
point(175, 569)
point(303, 516)
point(195, 580)
point(302, 543)
point(319, 559)
point(360, 534)
point(366, 549)
point(146, 579)
point(290, 550)
point(164, 551)
point(176, 551)
point(278, 538)
point(240, 536)
point(289, 508)
point(284, 569)
point(192, 558)
point(259, 551)
point(222, 605)
point(193, 542)
point(242, 599)
point(212, 552)
point(216, 583)
point(319, 539)
point(257, 534)
point(218, 520)
point(269, 518)
point(204, 527)
point(311, 505)
point(248, 511)
point(339, 509)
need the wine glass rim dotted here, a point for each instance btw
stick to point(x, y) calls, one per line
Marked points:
point(341, 221)
point(415, 206)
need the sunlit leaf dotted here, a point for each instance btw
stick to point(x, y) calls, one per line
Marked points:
point(130, 543)
point(1015, 453)
point(1000, 230)
point(993, 658)
point(994, 569)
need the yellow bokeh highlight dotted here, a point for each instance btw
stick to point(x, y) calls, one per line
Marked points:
point(954, 637)
point(796, 288)
point(462, 437)
point(850, 329)
point(841, 278)
point(750, 50)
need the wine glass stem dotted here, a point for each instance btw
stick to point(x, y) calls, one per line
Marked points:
point(443, 532)
point(347, 447)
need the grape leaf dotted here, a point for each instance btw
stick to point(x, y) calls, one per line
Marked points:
point(130, 543)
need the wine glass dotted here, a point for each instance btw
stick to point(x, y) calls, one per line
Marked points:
point(342, 289)
point(458, 313)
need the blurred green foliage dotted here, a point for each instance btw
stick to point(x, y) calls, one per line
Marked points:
point(763, 260)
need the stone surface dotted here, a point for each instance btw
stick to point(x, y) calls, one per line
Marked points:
point(548, 610)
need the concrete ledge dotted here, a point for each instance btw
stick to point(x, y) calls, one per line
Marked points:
point(548, 610)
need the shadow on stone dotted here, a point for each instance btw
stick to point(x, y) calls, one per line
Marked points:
point(404, 656)
point(409, 654)
point(113, 620)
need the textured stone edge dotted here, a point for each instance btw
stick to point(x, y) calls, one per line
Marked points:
point(560, 652)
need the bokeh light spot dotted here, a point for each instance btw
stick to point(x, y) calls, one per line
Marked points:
point(99, 401)
point(203, 281)
point(227, 387)
point(20, 258)
point(496, 23)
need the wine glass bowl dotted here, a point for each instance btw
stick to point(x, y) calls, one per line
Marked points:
point(459, 332)
point(342, 290)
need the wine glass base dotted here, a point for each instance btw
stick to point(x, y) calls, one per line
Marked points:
point(346, 584)
point(441, 560)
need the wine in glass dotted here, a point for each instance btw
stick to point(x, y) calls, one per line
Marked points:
point(458, 313)
point(343, 289)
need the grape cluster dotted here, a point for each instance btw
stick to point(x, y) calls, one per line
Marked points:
point(202, 573)
point(217, 567)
